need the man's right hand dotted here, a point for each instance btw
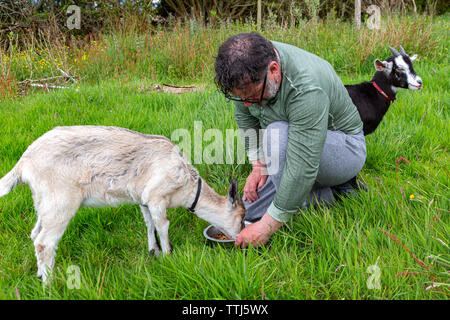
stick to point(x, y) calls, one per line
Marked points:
point(255, 181)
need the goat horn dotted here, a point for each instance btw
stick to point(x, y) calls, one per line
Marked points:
point(403, 51)
point(394, 52)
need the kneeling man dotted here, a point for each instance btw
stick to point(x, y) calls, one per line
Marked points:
point(313, 144)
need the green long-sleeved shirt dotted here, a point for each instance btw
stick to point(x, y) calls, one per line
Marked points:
point(312, 99)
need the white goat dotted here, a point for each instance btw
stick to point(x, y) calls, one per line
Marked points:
point(69, 167)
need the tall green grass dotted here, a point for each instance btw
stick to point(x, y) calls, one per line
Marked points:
point(401, 221)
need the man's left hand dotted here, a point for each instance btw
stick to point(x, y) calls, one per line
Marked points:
point(258, 233)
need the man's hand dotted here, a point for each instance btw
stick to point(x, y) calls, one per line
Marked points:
point(258, 233)
point(255, 181)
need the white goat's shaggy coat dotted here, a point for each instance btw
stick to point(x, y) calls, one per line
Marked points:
point(69, 167)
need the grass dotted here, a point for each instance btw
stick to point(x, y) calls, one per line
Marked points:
point(400, 224)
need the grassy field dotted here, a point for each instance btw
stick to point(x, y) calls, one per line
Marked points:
point(400, 225)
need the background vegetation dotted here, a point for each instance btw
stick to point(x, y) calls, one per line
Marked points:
point(35, 19)
point(400, 224)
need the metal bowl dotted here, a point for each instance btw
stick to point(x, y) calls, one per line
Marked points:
point(210, 231)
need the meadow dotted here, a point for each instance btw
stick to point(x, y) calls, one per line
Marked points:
point(391, 242)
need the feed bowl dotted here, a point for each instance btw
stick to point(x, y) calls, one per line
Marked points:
point(215, 235)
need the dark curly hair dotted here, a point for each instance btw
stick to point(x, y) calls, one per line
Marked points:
point(242, 59)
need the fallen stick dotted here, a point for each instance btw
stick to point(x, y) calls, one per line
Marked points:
point(168, 88)
point(67, 75)
point(46, 86)
point(40, 80)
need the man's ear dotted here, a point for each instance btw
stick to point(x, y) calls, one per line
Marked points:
point(274, 67)
point(382, 65)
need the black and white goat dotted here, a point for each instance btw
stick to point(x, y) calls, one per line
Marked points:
point(373, 98)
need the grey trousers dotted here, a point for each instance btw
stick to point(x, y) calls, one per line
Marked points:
point(342, 158)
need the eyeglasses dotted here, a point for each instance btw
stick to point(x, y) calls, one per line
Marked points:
point(239, 99)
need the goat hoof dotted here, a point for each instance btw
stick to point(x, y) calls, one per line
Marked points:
point(155, 252)
point(166, 253)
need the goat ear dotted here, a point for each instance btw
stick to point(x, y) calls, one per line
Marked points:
point(414, 57)
point(383, 65)
point(380, 65)
point(233, 191)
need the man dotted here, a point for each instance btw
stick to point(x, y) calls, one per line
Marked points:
point(296, 97)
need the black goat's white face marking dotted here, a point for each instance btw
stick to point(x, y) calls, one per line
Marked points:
point(404, 75)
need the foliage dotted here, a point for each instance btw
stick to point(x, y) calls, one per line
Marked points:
point(286, 10)
point(37, 19)
point(185, 51)
point(42, 18)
